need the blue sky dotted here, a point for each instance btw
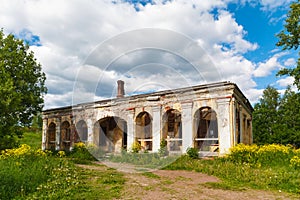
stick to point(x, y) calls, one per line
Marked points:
point(236, 36)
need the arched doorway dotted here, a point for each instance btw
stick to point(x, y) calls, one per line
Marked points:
point(51, 136)
point(206, 130)
point(110, 134)
point(143, 130)
point(65, 136)
point(81, 131)
point(172, 130)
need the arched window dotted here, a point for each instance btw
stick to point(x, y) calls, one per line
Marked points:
point(172, 130)
point(143, 130)
point(51, 136)
point(206, 130)
point(82, 131)
point(110, 134)
point(65, 136)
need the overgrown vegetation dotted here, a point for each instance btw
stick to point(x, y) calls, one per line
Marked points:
point(33, 139)
point(289, 38)
point(268, 167)
point(22, 87)
point(277, 119)
point(149, 160)
point(28, 173)
point(163, 151)
point(136, 147)
point(81, 154)
point(25, 171)
point(192, 152)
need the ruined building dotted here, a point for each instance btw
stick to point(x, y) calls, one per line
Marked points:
point(210, 117)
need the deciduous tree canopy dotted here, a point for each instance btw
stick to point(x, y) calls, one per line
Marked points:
point(289, 38)
point(277, 120)
point(22, 86)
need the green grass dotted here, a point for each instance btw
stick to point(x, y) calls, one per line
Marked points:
point(147, 160)
point(100, 184)
point(33, 139)
point(34, 175)
point(150, 175)
point(31, 174)
point(237, 176)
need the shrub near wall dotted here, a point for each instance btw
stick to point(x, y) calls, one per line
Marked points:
point(266, 155)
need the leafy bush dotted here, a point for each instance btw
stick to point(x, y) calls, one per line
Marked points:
point(266, 155)
point(192, 153)
point(163, 151)
point(80, 154)
point(136, 147)
point(295, 162)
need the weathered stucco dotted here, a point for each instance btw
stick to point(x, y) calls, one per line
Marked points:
point(211, 117)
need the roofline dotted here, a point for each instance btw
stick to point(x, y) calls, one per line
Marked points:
point(184, 89)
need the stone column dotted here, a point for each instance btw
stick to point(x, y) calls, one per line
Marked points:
point(73, 132)
point(44, 133)
point(187, 126)
point(224, 121)
point(241, 125)
point(251, 131)
point(57, 134)
point(156, 114)
point(90, 131)
point(130, 129)
point(234, 128)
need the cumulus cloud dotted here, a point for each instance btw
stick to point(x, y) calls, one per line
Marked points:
point(70, 34)
point(289, 62)
point(267, 67)
point(268, 5)
point(284, 82)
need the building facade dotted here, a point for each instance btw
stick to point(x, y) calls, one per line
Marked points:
point(210, 117)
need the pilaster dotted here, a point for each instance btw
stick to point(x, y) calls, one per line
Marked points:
point(90, 131)
point(187, 126)
point(57, 134)
point(130, 129)
point(156, 128)
point(44, 133)
point(223, 115)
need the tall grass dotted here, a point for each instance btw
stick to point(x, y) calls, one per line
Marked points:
point(26, 171)
point(268, 167)
point(33, 139)
point(148, 160)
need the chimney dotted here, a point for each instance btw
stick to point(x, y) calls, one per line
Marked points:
point(121, 91)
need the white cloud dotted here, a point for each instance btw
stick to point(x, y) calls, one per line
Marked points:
point(270, 5)
point(70, 30)
point(284, 82)
point(289, 62)
point(266, 68)
point(255, 95)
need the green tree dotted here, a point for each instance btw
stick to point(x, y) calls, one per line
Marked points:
point(22, 86)
point(37, 123)
point(289, 112)
point(265, 116)
point(277, 120)
point(289, 38)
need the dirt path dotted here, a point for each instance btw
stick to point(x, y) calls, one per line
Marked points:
point(173, 185)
